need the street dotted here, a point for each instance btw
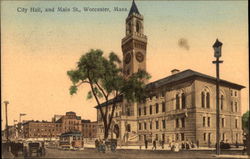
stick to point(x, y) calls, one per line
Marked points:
point(123, 153)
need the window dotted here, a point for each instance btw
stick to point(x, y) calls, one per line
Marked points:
point(177, 123)
point(222, 122)
point(163, 137)
point(156, 108)
point(202, 99)
point(208, 100)
point(208, 121)
point(236, 106)
point(231, 92)
point(235, 93)
point(177, 102)
point(145, 111)
point(139, 126)
point(232, 106)
point(156, 136)
point(128, 128)
point(163, 107)
point(145, 126)
point(138, 27)
point(204, 121)
point(236, 123)
point(163, 124)
point(150, 109)
point(221, 102)
point(204, 136)
point(183, 122)
point(182, 137)
point(157, 124)
point(139, 111)
point(150, 125)
point(128, 112)
point(183, 100)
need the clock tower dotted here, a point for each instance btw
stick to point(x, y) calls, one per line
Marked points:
point(134, 44)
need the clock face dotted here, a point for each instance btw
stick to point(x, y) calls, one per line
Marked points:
point(127, 58)
point(139, 57)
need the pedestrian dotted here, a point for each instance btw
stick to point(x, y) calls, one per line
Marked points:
point(154, 145)
point(162, 144)
point(146, 144)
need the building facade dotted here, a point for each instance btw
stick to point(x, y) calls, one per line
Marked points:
point(181, 106)
point(43, 129)
point(89, 129)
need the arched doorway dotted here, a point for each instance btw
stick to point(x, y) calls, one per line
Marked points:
point(117, 130)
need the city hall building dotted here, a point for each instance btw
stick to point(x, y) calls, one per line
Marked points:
point(179, 107)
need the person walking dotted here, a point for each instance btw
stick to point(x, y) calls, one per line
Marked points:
point(146, 144)
point(154, 145)
point(162, 144)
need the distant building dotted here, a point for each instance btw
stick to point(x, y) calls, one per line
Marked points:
point(70, 122)
point(179, 107)
point(44, 129)
point(89, 129)
point(41, 129)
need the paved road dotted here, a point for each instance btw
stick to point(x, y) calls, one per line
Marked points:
point(92, 153)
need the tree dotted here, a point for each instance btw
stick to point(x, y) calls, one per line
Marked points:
point(245, 121)
point(106, 81)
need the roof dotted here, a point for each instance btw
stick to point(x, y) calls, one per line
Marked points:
point(188, 74)
point(111, 101)
point(133, 9)
point(179, 77)
point(75, 133)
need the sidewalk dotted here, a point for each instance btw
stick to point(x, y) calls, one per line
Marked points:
point(231, 156)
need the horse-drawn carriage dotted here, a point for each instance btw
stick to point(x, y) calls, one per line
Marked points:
point(36, 148)
point(108, 145)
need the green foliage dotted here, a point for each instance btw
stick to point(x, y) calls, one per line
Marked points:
point(106, 81)
point(245, 121)
point(105, 77)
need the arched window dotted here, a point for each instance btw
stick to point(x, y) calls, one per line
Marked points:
point(221, 101)
point(128, 128)
point(177, 102)
point(202, 99)
point(208, 100)
point(183, 100)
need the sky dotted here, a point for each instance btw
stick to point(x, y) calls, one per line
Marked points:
point(39, 48)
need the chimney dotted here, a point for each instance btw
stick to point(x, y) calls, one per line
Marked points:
point(174, 71)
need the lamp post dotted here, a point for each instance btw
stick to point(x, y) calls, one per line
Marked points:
point(217, 54)
point(7, 127)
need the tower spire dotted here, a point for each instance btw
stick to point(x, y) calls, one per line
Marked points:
point(133, 9)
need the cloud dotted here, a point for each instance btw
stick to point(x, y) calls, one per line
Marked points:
point(183, 43)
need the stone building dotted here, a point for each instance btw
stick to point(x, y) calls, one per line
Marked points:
point(89, 129)
point(70, 122)
point(181, 106)
point(41, 129)
point(44, 129)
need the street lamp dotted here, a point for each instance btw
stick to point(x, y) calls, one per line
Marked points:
point(7, 128)
point(217, 54)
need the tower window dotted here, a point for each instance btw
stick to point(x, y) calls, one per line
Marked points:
point(138, 27)
point(150, 109)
